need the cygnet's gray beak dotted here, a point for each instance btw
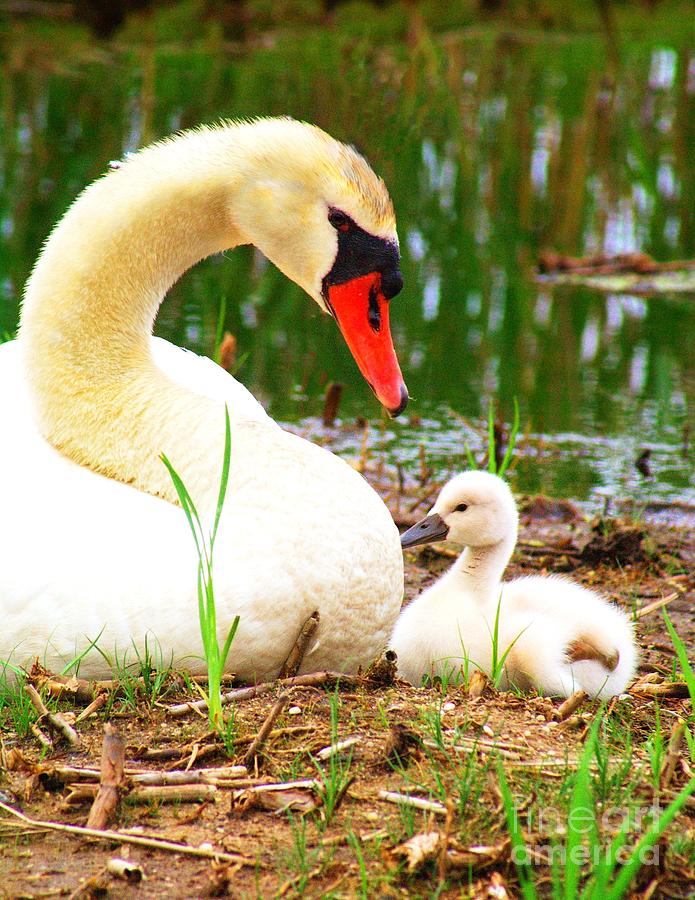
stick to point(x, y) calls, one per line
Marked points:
point(426, 531)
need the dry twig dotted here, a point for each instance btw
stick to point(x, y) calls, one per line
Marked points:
point(123, 838)
point(254, 751)
point(657, 604)
point(181, 793)
point(55, 720)
point(338, 747)
point(570, 705)
point(673, 754)
point(310, 680)
point(294, 660)
point(112, 781)
point(418, 802)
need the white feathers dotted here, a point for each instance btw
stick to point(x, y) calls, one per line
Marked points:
point(558, 637)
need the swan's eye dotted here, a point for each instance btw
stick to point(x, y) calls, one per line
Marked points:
point(339, 220)
point(462, 507)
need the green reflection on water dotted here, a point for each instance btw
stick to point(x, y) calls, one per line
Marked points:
point(492, 151)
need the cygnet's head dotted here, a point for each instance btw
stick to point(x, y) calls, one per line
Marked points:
point(474, 509)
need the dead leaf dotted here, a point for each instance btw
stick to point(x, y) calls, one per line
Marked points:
point(419, 849)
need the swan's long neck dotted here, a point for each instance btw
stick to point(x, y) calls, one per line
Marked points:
point(91, 302)
point(479, 570)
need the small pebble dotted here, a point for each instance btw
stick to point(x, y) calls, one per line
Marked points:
point(294, 711)
point(448, 706)
point(206, 845)
point(488, 731)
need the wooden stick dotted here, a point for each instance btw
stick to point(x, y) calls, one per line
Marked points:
point(338, 747)
point(482, 746)
point(112, 780)
point(172, 793)
point(668, 689)
point(444, 842)
point(125, 869)
point(55, 720)
point(570, 705)
point(192, 776)
point(68, 774)
point(310, 680)
point(291, 665)
point(79, 689)
point(657, 604)
point(673, 754)
point(254, 751)
point(418, 802)
point(123, 838)
point(96, 704)
point(42, 738)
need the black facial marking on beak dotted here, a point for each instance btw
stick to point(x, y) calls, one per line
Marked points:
point(427, 531)
point(391, 283)
point(360, 253)
point(374, 314)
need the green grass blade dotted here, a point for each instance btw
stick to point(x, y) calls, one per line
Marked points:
point(472, 464)
point(581, 801)
point(519, 851)
point(186, 503)
point(622, 883)
point(76, 660)
point(607, 862)
point(512, 441)
point(224, 477)
point(497, 660)
point(219, 329)
point(202, 613)
point(681, 652)
point(491, 460)
point(228, 643)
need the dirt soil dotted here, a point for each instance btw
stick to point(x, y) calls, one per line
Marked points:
point(405, 742)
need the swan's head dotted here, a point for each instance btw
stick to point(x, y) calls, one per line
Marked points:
point(316, 209)
point(474, 509)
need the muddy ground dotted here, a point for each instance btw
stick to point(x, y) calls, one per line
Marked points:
point(405, 743)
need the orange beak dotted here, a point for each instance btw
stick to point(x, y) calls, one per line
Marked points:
point(362, 313)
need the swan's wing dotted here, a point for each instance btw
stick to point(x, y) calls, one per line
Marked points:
point(202, 375)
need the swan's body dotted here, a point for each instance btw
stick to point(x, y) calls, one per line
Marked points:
point(563, 637)
point(85, 390)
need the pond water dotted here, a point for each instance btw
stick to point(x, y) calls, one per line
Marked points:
point(493, 148)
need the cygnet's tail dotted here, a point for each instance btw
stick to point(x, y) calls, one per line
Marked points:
point(594, 652)
point(603, 659)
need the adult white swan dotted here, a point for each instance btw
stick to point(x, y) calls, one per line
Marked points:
point(92, 544)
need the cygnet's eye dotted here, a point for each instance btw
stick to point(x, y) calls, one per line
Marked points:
point(462, 507)
point(339, 220)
